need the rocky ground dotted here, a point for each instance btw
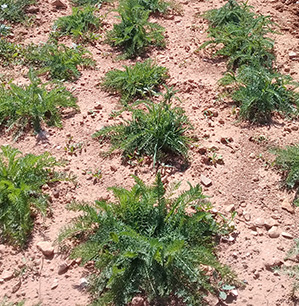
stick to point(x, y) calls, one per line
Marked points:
point(266, 221)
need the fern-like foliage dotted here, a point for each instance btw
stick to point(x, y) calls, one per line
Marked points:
point(80, 25)
point(260, 92)
point(135, 33)
point(21, 179)
point(31, 106)
point(241, 35)
point(14, 10)
point(59, 61)
point(288, 160)
point(159, 130)
point(146, 243)
point(137, 81)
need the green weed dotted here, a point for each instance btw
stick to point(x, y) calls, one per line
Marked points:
point(288, 160)
point(137, 81)
point(147, 244)
point(154, 5)
point(22, 107)
point(59, 61)
point(4, 30)
point(88, 2)
point(14, 10)
point(80, 25)
point(260, 92)
point(135, 33)
point(155, 132)
point(21, 196)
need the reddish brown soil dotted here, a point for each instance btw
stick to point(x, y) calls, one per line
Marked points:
point(243, 183)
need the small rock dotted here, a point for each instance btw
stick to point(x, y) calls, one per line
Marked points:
point(113, 168)
point(62, 268)
point(202, 150)
point(247, 217)
point(259, 222)
point(83, 282)
point(293, 55)
point(6, 275)
point(286, 205)
point(230, 208)
point(286, 235)
point(273, 263)
point(32, 9)
point(46, 248)
point(2, 248)
point(16, 287)
point(59, 4)
point(234, 292)
point(55, 284)
point(99, 106)
point(269, 223)
point(137, 301)
point(274, 232)
point(205, 180)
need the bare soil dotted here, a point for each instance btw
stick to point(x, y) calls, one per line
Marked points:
point(244, 182)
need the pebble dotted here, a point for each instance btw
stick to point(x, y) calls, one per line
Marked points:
point(230, 208)
point(46, 248)
point(205, 180)
point(137, 301)
point(55, 284)
point(2, 248)
point(62, 268)
point(286, 205)
point(293, 55)
point(274, 232)
point(6, 275)
point(286, 235)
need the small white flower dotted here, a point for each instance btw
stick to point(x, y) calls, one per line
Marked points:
point(4, 6)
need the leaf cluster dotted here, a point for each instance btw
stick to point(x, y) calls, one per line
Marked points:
point(21, 196)
point(87, 2)
point(22, 107)
point(155, 131)
point(59, 61)
point(260, 91)
point(80, 25)
point(154, 6)
point(136, 81)
point(134, 34)
point(241, 35)
point(14, 10)
point(288, 160)
point(146, 243)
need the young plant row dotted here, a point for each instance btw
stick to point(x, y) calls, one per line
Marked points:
point(240, 35)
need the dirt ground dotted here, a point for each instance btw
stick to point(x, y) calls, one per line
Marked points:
point(245, 182)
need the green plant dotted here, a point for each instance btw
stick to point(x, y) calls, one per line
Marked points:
point(4, 30)
point(88, 2)
point(14, 10)
point(288, 160)
point(80, 25)
point(21, 196)
point(148, 244)
point(136, 81)
point(135, 33)
point(241, 35)
point(29, 106)
point(156, 131)
point(260, 92)
point(60, 61)
point(9, 52)
point(154, 5)
point(72, 147)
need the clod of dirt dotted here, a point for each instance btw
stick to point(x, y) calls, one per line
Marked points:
point(59, 4)
point(63, 268)
point(46, 248)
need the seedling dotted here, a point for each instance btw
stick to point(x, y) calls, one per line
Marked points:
point(72, 147)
